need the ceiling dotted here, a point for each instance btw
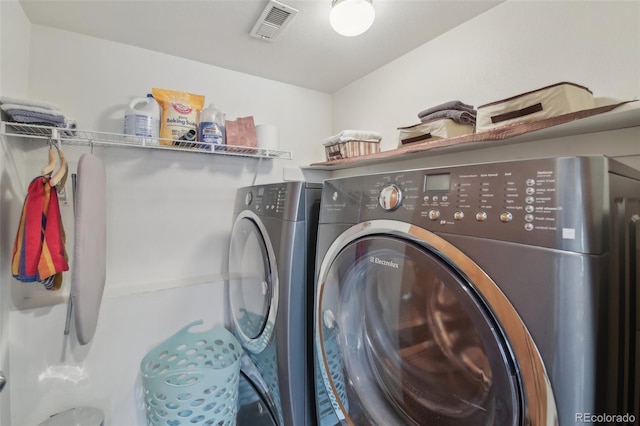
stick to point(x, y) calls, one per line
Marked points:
point(308, 53)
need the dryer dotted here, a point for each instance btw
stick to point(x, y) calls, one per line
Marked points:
point(486, 294)
point(271, 264)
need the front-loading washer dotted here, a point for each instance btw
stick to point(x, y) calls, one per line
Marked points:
point(486, 294)
point(271, 264)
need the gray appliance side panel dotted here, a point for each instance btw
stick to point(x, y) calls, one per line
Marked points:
point(623, 371)
point(289, 240)
point(561, 296)
point(327, 233)
point(312, 213)
point(622, 169)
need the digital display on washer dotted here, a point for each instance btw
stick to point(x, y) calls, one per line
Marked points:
point(438, 182)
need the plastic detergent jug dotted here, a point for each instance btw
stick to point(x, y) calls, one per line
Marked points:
point(211, 126)
point(142, 117)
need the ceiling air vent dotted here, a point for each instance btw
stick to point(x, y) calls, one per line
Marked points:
point(273, 20)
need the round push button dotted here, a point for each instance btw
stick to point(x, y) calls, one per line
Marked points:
point(506, 217)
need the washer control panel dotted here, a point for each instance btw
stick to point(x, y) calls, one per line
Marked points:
point(478, 196)
point(544, 201)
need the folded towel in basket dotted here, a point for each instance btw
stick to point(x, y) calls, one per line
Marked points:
point(460, 117)
point(39, 253)
point(456, 110)
point(354, 135)
point(455, 105)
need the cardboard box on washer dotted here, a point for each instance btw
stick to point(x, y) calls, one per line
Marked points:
point(550, 101)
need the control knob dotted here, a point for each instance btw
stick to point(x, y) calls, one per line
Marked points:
point(390, 198)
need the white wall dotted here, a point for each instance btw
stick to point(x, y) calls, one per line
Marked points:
point(169, 214)
point(93, 80)
point(14, 53)
point(52, 372)
point(169, 217)
point(513, 48)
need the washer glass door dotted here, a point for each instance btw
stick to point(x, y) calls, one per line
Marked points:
point(405, 339)
point(250, 283)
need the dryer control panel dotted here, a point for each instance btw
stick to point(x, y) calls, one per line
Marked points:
point(558, 202)
point(282, 201)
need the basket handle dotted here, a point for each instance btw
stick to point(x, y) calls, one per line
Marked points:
point(216, 328)
point(186, 328)
point(516, 114)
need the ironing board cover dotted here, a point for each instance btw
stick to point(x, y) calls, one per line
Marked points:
point(88, 274)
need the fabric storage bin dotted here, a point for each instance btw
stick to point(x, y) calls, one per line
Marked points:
point(550, 101)
point(437, 129)
point(192, 378)
point(351, 148)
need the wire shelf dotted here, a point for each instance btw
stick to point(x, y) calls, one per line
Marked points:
point(90, 138)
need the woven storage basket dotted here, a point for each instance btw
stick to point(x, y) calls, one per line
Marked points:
point(352, 148)
point(192, 378)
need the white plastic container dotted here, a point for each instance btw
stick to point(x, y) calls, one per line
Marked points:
point(211, 127)
point(142, 118)
point(267, 137)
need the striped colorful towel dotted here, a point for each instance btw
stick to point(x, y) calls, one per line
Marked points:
point(39, 253)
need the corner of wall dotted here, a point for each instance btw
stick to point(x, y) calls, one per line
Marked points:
point(15, 30)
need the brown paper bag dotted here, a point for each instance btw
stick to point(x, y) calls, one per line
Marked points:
point(241, 132)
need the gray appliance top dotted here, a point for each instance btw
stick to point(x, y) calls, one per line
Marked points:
point(558, 203)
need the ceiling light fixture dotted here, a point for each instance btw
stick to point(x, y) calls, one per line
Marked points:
point(352, 17)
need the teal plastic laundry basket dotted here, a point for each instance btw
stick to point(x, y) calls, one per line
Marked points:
point(192, 378)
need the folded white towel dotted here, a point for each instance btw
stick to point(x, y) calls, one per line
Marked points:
point(351, 135)
point(28, 103)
